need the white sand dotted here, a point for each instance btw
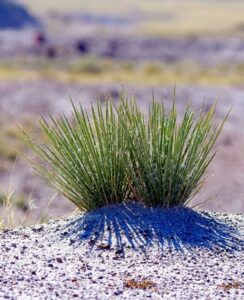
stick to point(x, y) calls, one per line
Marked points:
point(178, 254)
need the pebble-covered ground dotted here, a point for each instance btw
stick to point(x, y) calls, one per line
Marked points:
point(126, 252)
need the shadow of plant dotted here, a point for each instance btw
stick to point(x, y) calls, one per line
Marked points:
point(133, 225)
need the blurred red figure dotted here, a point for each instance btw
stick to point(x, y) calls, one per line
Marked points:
point(39, 39)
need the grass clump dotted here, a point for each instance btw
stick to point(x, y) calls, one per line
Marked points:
point(168, 158)
point(118, 153)
point(85, 160)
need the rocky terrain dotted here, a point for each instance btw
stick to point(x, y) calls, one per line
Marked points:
point(124, 252)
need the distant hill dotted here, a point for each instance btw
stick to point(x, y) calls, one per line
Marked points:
point(15, 16)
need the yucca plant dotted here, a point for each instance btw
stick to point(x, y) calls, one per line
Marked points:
point(118, 153)
point(168, 158)
point(84, 159)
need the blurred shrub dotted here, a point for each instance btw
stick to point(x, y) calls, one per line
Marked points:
point(90, 65)
point(152, 69)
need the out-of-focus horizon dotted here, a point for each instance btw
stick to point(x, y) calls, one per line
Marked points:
point(51, 50)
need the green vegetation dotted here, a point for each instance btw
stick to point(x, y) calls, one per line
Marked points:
point(118, 153)
point(168, 159)
point(18, 209)
point(10, 145)
point(8, 205)
point(94, 70)
point(86, 161)
point(90, 65)
point(7, 140)
point(20, 202)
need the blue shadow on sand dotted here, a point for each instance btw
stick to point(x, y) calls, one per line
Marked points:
point(139, 227)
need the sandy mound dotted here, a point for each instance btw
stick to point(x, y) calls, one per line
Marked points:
point(126, 252)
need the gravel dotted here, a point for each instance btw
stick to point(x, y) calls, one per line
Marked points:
point(126, 252)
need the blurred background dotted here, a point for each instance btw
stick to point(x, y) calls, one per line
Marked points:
point(53, 50)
